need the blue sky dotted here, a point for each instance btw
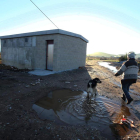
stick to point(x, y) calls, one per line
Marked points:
point(111, 26)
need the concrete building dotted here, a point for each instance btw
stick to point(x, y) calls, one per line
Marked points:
point(55, 50)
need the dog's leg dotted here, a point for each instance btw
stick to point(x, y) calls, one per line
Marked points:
point(87, 95)
point(88, 91)
point(88, 98)
point(92, 93)
point(95, 92)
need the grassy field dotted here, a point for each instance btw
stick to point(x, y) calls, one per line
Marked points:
point(109, 60)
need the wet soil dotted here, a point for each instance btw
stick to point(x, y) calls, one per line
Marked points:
point(65, 94)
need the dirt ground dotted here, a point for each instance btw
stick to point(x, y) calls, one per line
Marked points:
point(20, 90)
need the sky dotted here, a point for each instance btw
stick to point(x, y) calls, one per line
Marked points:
point(110, 26)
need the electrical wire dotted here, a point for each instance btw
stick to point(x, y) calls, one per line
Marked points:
point(43, 13)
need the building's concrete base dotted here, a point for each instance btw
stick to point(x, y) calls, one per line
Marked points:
point(41, 72)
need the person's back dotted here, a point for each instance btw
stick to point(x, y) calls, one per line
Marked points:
point(130, 69)
point(130, 73)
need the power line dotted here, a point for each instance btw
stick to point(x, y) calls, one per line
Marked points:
point(43, 13)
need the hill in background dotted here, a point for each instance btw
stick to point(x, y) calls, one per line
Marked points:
point(100, 54)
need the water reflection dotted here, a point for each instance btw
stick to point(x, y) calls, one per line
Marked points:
point(71, 107)
point(121, 130)
point(55, 104)
point(107, 65)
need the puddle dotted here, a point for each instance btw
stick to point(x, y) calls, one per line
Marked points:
point(71, 107)
point(107, 65)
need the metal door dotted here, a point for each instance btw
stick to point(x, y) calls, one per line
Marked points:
point(50, 57)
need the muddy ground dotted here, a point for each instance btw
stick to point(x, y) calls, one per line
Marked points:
point(20, 90)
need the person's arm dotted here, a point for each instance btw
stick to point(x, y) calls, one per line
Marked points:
point(121, 70)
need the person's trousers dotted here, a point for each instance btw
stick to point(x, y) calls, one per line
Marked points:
point(125, 88)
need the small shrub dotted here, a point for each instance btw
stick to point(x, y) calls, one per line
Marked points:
point(123, 58)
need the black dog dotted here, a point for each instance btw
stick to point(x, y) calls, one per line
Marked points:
point(91, 87)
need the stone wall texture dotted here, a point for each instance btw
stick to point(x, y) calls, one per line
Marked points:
point(30, 52)
point(69, 52)
point(19, 53)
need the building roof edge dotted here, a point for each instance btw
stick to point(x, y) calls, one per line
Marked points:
point(46, 32)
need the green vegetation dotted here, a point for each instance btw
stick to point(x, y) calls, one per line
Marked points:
point(123, 57)
point(109, 60)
